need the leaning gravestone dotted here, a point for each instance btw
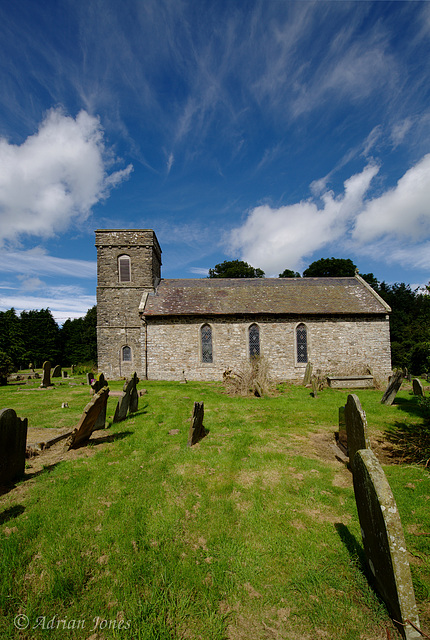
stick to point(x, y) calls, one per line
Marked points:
point(98, 385)
point(57, 371)
point(308, 374)
point(384, 541)
point(393, 386)
point(13, 439)
point(197, 430)
point(356, 427)
point(46, 381)
point(417, 387)
point(129, 400)
point(86, 426)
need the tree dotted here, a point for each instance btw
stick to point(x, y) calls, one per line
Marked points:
point(6, 367)
point(288, 273)
point(79, 339)
point(11, 336)
point(41, 336)
point(235, 269)
point(331, 268)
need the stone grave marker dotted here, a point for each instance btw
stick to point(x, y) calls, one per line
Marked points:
point(356, 427)
point(314, 382)
point(86, 426)
point(64, 374)
point(97, 386)
point(13, 439)
point(393, 387)
point(46, 380)
point(308, 374)
point(90, 378)
point(384, 541)
point(417, 387)
point(56, 373)
point(129, 400)
point(197, 430)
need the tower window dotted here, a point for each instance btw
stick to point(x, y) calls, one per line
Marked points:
point(124, 268)
point(254, 341)
point(302, 343)
point(126, 354)
point(206, 342)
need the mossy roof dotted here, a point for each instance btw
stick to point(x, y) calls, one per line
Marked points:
point(263, 296)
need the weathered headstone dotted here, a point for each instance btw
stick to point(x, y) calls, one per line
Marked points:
point(129, 401)
point(86, 426)
point(417, 387)
point(356, 427)
point(13, 438)
point(393, 387)
point(342, 439)
point(384, 541)
point(99, 383)
point(46, 380)
point(314, 382)
point(64, 374)
point(308, 374)
point(56, 373)
point(197, 430)
point(90, 378)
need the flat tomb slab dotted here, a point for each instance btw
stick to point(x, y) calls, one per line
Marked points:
point(350, 382)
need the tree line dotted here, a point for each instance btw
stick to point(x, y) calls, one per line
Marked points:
point(34, 336)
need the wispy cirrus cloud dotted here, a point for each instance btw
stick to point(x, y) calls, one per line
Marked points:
point(37, 262)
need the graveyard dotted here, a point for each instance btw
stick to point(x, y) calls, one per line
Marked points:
point(238, 521)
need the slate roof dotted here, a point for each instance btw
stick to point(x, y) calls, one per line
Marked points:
point(269, 296)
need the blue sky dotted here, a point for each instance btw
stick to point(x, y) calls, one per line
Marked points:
point(274, 132)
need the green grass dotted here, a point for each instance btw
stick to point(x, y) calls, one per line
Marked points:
point(253, 533)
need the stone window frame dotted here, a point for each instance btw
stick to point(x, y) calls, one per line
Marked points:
point(253, 324)
point(296, 326)
point(123, 349)
point(206, 324)
point(126, 260)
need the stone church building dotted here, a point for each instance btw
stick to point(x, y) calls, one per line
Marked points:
point(198, 328)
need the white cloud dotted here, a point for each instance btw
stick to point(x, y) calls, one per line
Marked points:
point(400, 212)
point(55, 176)
point(275, 239)
point(61, 304)
point(37, 262)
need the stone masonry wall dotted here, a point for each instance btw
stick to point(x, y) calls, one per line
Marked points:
point(336, 346)
point(118, 320)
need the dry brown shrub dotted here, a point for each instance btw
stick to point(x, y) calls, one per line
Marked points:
point(252, 378)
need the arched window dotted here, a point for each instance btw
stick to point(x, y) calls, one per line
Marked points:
point(254, 341)
point(124, 269)
point(126, 354)
point(206, 342)
point(302, 343)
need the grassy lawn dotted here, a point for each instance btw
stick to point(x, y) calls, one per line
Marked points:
point(251, 534)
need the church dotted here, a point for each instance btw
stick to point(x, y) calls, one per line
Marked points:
point(195, 329)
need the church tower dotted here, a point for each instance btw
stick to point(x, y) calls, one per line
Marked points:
point(128, 266)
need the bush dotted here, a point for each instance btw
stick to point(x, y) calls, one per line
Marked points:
point(251, 378)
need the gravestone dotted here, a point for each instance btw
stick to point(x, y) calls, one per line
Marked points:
point(129, 400)
point(314, 382)
point(342, 438)
point(197, 430)
point(86, 425)
point(90, 378)
point(64, 374)
point(384, 541)
point(46, 380)
point(97, 386)
point(356, 427)
point(56, 373)
point(308, 374)
point(13, 439)
point(393, 387)
point(417, 387)
point(99, 383)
